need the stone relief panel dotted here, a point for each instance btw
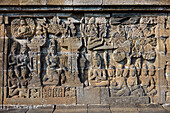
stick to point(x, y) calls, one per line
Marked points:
point(51, 57)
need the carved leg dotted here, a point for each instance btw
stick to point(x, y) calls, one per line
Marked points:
point(124, 92)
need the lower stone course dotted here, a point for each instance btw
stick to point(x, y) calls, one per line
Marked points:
point(91, 108)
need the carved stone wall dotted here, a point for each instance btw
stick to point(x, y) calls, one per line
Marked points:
point(84, 58)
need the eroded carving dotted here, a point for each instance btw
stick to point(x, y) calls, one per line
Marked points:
point(54, 58)
point(23, 28)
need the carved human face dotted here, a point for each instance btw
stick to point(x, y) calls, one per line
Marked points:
point(95, 55)
point(152, 70)
point(138, 63)
point(119, 72)
point(138, 66)
point(132, 72)
point(144, 72)
point(52, 50)
point(10, 72)
point(14, 49)
point(92, 20)
point(23, 50)
point(22, 22)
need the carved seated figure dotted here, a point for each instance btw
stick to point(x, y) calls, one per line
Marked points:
point(118, 84)
point(91, 30)
point(96, 75)
point(24, 30)
point(132, 82)
point(152, 73)
point(53, 73)
point(111, 73)
point(147, 82)
point(92, 34)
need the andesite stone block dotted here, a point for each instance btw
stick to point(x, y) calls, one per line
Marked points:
point(60, 2)
point(87, 2)
point(84, 56)
point(88, 95)
point(98, 108)
point(79, 108)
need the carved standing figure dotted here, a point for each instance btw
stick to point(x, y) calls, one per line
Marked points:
point(12, 59)
point(23, 62)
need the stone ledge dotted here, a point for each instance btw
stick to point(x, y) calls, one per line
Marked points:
point(52, 10)
point(136, 2)
point(91, 108)
point(85, 2)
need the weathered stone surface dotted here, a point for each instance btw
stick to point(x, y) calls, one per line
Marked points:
point(14, 109)
point(136, 2)
point(126, 100)
point(17, 110)
point(167, 107)
point(84, 2)
point(43, 109)
point(23, 101)
point(60, 100)
point(9, 2)
point(120, 2)
point(104, 95)
point(151, 109)
point(33, 2)
point(115, 59)
point(71, 109)
point(84, 56)
point(59, 2)
point(98, 108)
point(123, 108)
point(87, 2)
point(88, 95)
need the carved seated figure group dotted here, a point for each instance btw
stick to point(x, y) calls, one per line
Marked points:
point(123, 82)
